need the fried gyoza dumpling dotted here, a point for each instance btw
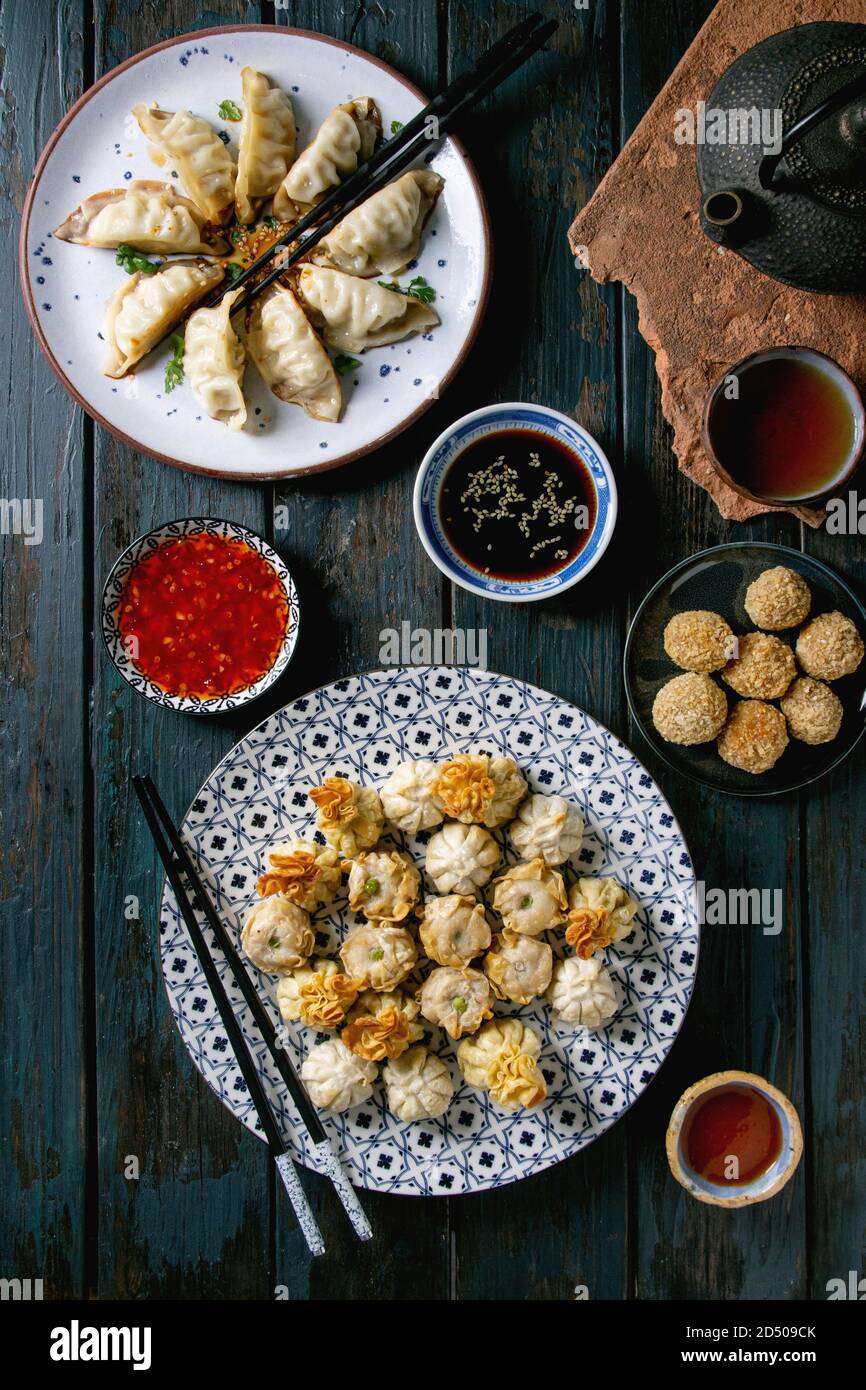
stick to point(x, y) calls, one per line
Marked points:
point(456, 1000)
point(474, 788)
point(302, 870)
point(277, 936)
point(290, 357)
point(501, 1059)
point(382, 235)
point(382, 1025)
point(145, 215)
point(601, 912)
point(380, 957)
point(345, 139)
point(318, 995)
point(531, 898)
point(582, 993)
point(418, 1085)
point(335, 1078)
point(146, 307)
point(354, 314)
point(454, 929)
point(461, 858)
point(408, 797)
point(214, 361)
point(349, 816)
point(384, 885)
point(267, 143)
point(518, 967)
point(206, 168)
point(547, 827)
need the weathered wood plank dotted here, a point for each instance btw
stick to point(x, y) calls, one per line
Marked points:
point(43, 1123)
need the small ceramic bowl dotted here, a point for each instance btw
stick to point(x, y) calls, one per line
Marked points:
point(766, 1184)
point(492, 419)
point(111, 595)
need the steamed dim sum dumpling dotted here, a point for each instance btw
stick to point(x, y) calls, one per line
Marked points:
point(353, 314)
point(206, 168)
point(454, 929)
point(601, 912)
point(379, 957)
point(461, 858)
point(345, 139)
point(277, 935)
point(582, 993)
point(267, 143)
point(549, 827)
point(384, 885)
point(335, 1078)
point(145, 215)
point(531, 898)
point(382, 235)
point(456, 1000)
point(290, 357)
point(418, 1085)
point(518, 967)
point(146, 307)
point(502, 1060)
point(473, 787)
point(349, 816)
point(214, 361)
point(408, 798)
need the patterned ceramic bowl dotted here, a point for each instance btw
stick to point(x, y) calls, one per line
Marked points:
point(111, 595)
point(493, 419)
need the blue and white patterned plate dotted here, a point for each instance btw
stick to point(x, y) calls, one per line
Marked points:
point(362, 727)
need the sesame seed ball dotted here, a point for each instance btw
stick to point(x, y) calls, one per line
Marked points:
point(813, 712)
point(754, 738)
point(763, 668)
point(778, 598)
point(689, 709)
point(698, 640)
point(829, 647)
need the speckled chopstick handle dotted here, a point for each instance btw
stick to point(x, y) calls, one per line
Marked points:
point(330, 1165)
point(298, 1198)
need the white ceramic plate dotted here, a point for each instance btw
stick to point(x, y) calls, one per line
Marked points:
point(362, 727)
point(98, 145)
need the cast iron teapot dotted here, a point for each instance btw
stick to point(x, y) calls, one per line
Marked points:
point(797, 209)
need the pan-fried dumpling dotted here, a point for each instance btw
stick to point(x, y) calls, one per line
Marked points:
point(145, 215)
point(518, 967)
point(382, 1025)
point(277, 935)
point(501, 1059)
point(349, 816)
point(302, 870)
point(549, 827)
point(456, 1000)
point(384, 885)
point(206, 168)
point(345, 139)
point(318, 995)
point(290, 357)
point(382, 235)
point(454, 929)
point(531, 898)
point(335, 1078)
point(214, 361)
point(146, 307)
point(461, 858)
point(418, 1085)
point(379, 957)
point(267, 143)
point(601, 912)
point(473, 787)
point(582, 993)
point(408, 798)
point(354, 314)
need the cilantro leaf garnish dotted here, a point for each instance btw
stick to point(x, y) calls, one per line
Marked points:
point(233, 270)
point(174, 366)
point(343, 363)
point(396, 127)
point(230, 111)
point(417, 289)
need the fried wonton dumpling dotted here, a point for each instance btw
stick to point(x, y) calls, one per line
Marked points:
point(382, 1025)
point(461, 858)
point(456, 1000)
point(547, 827)
point(384, 885)
point(335, 1078)
point(383, 234)
point(531, 898)
point(354, 314)
point(213, 361)
point(277, 936)
point(454, 929)
point(345, 139)
point(418, 1085)
point(267, 143)
point(318, 995)
point(146, 307)
point(380, 957)
point(501, 1059)
point(601, 912)
point(206, 168)
point(349, 816)
point(408, 797)
point(477, 789)
point(289, 356)
point(518, 967)
point(582, 993)
point(146, 215)
point(302, 870)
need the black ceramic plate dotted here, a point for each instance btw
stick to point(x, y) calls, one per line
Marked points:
point(717, 579)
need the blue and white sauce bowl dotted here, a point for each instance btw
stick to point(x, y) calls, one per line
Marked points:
point(499, 419)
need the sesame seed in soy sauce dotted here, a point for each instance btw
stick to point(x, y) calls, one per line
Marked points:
point(517, 505)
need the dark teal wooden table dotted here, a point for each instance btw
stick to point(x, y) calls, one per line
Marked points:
point(92, 1068)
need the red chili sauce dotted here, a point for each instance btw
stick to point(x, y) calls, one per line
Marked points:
point(203, 616)
point(734, 1121)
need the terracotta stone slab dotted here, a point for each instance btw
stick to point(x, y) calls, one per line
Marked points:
point(701, 307)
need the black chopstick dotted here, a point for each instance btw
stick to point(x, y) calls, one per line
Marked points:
point(173, 852)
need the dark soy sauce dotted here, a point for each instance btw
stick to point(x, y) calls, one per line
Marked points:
point(517, 505)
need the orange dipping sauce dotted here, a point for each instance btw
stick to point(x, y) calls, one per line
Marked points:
point(203, 616)
point(733, 1122)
